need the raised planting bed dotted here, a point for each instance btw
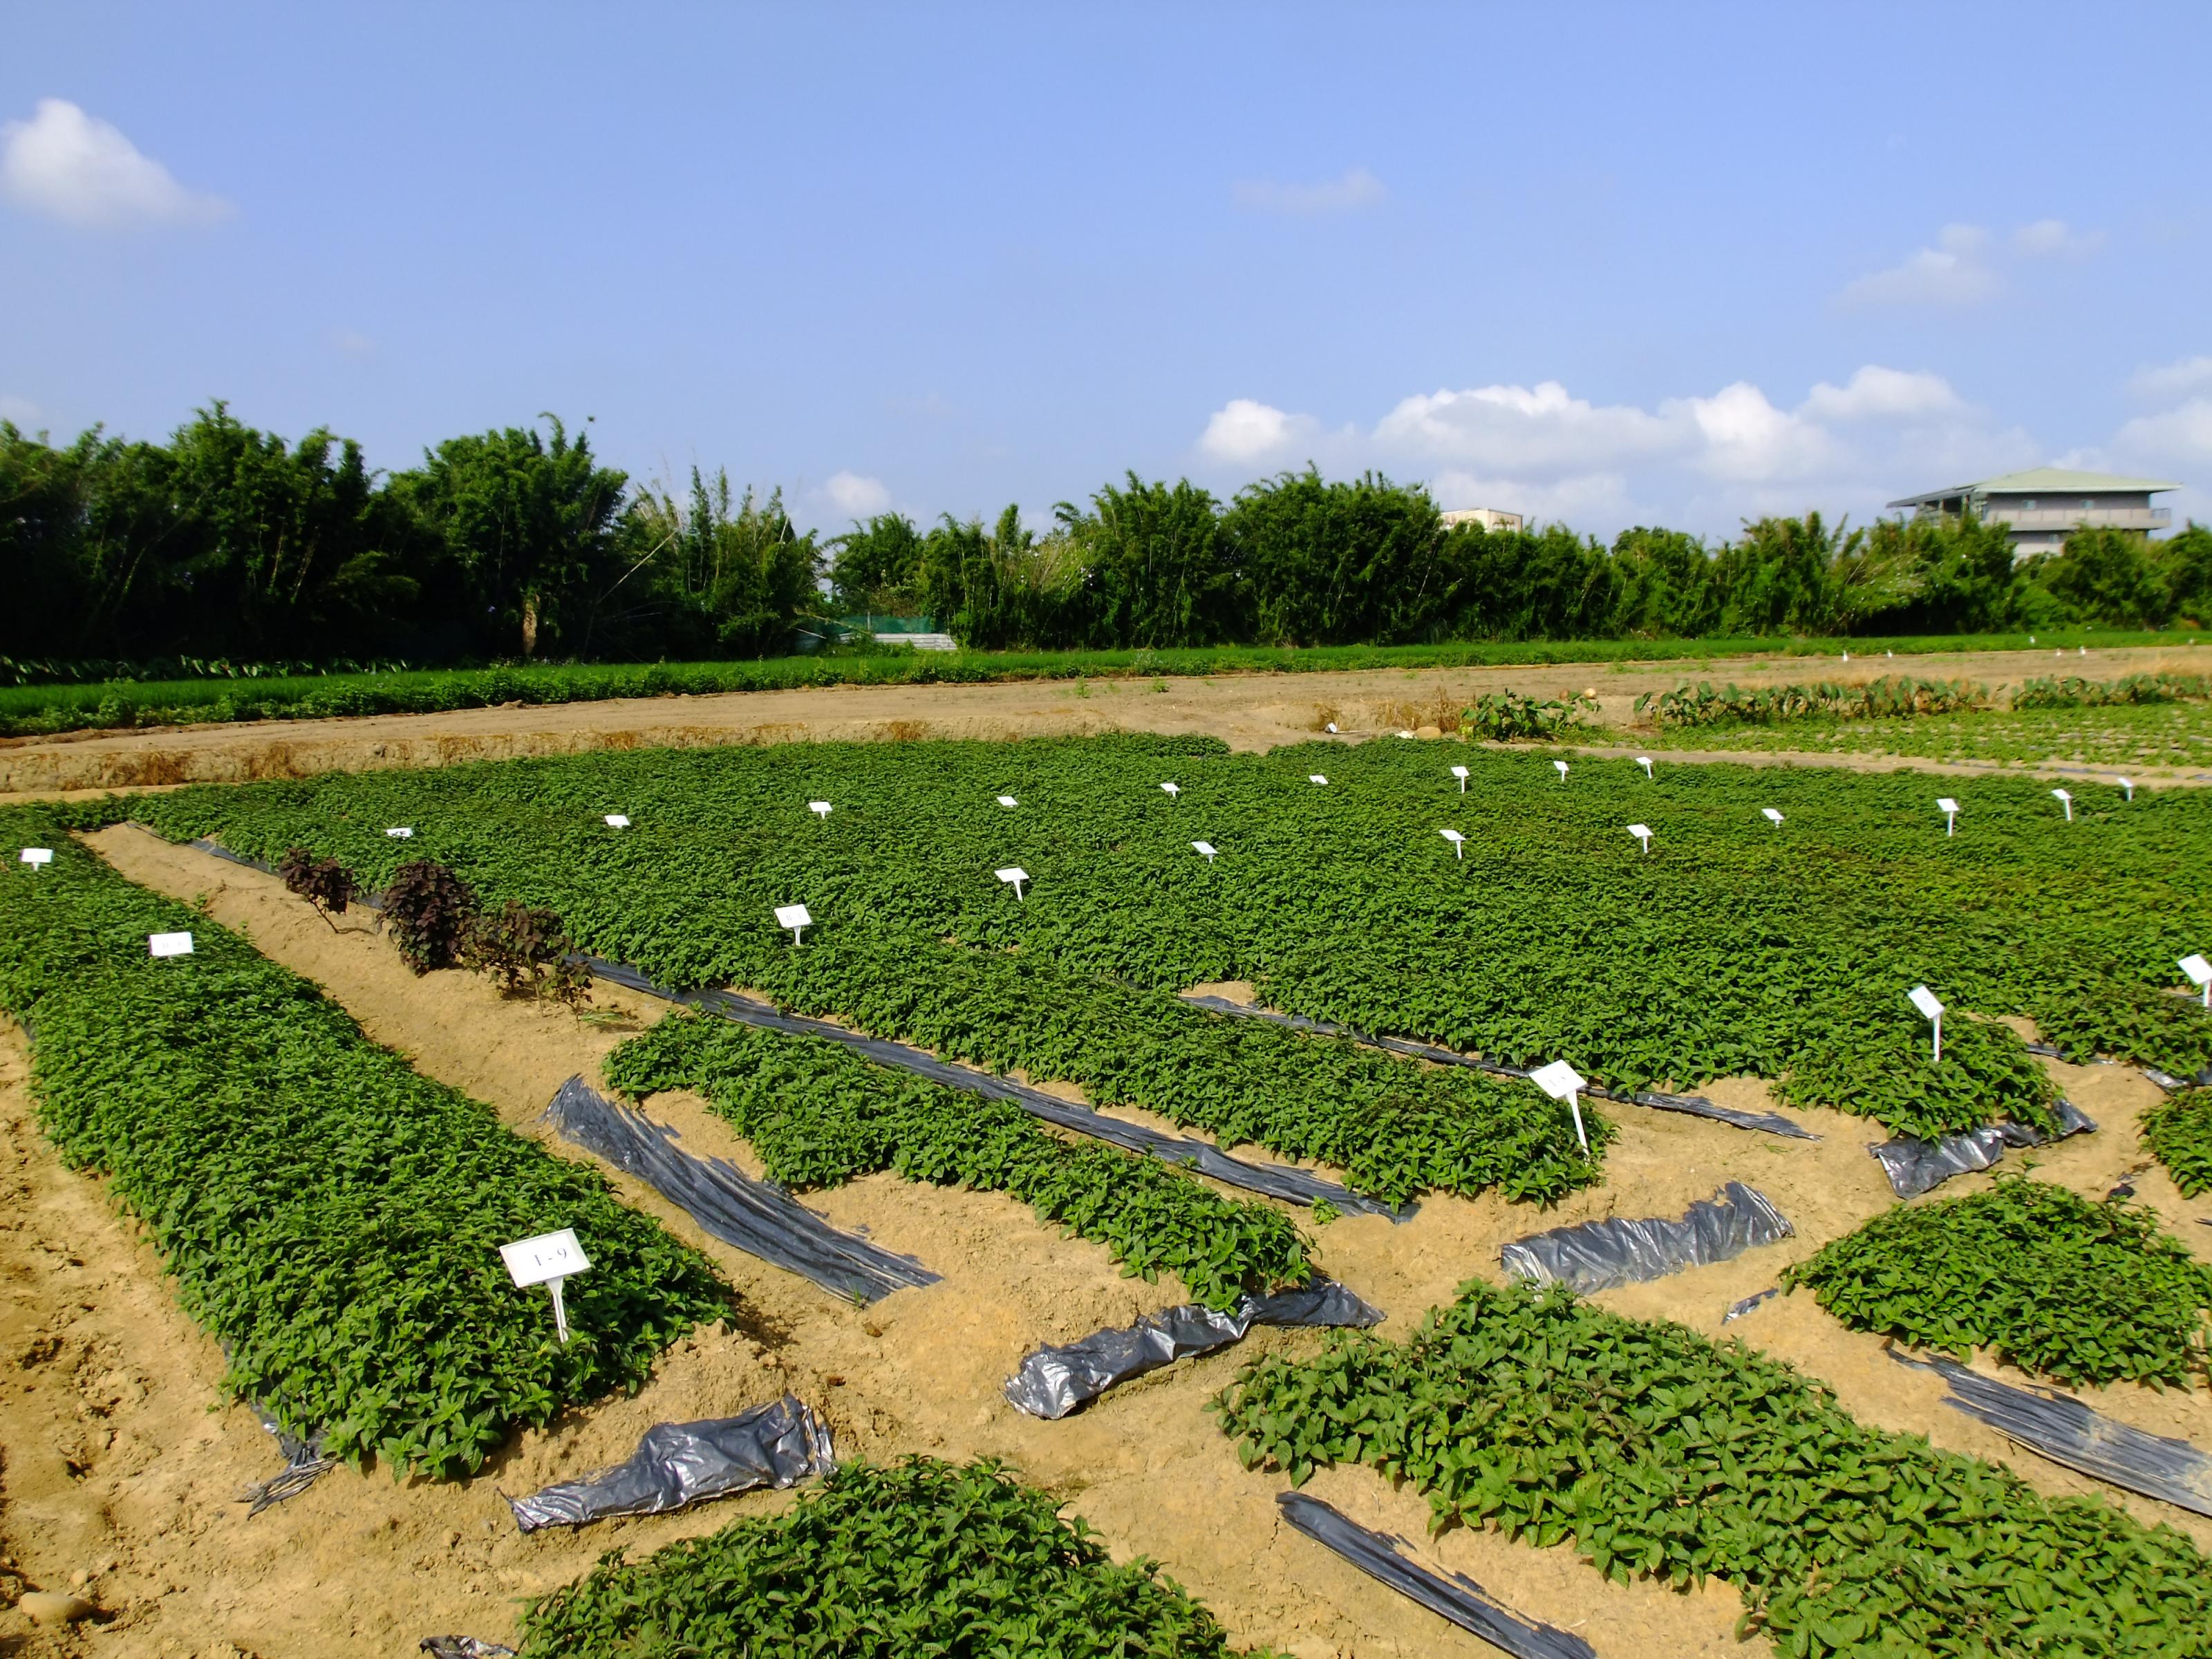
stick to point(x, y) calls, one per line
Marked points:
point(331, 1215)
point(2179, 1132)
point(1659, 1454)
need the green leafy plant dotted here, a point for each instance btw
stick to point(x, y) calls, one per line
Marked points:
point(2081, 1292)
point(2070, 691)
point(527, 951)
point(876, 1562)
point(1663, 1456)
point(819, 1114)
point(1891, 697)
point(432, 913)
point(2178, 1132)
point(1509, 716)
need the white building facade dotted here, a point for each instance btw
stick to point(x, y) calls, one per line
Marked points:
point(2041, 507)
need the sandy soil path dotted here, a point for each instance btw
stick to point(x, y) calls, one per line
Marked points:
point(1249, 712)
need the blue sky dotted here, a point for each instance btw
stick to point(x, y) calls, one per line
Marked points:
point(1606, 265)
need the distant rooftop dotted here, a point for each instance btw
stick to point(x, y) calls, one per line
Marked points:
point(2043, 480)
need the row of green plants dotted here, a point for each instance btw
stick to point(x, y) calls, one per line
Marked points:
point(2178, 1132)
point(818, 1115)
point(330, 1215)
point(2052, 1282)
point(1733, 947)
point(1660, 1455)
point(2070, 691)
point(882, 1563)
point(1891, 697)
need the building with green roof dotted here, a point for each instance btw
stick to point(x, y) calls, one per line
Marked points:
point(2041, 507)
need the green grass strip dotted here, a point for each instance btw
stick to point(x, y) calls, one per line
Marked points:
point(2179, 1132)
point(1662, 1455)
point(819, 1114)
point(333, 1217)
point(2081, 1292)
point(928, 1558)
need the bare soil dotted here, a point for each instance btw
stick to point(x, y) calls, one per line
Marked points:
point(1246, 711)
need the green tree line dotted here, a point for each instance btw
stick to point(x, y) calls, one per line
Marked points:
point(518, 544)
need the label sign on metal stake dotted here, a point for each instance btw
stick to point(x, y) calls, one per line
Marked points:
point(820, 808)
point(616, 821)
point(1173, 791)
point(2200, 975)
point(1458, 841)
point(1642, 833)
point(1770, 816)
point(1561, 767)
point(548, 1260)
point(1924, 1000)
point(400, 832)
point(1644, 761)
point(35, 856)
point(1949, 809)
point(1562, 1082)
point(1315, 777)
point(2065, 800)
point(168, 945)
point(1459, 772)
point(1206, 847)
point(2127, 784)
point(793, 916)
point(1013, 875)
point(1008, 800)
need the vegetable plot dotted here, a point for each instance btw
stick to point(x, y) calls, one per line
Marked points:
point(1663, 1455)
point(928, 1558)
point(1734, 947)
point(2179, 1132)
point(2080, 1291)
point(819, 1114)
point(331, 1215)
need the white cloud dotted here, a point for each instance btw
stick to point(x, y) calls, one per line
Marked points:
point(21, 411)
point(2182, 433)
point(853, 496)
point(1701, 461)
point(1951, 273)
point(2178, 379)
point(1357, 188)
point(74, 167)
point(1243, 432)
point(2053, 239)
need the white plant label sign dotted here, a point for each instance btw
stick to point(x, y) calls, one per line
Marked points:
point(820, 808)
point(1771, 815)
point(1315, 777)
point(617, 821)
point(1014, 875)
point(2065, 800)
point(1924, 1000)
point(795, 917)
point(1562, 1082)
point(400, 832)
point(1642, 833)
point(1008, 800)
point(1458, 841)
point(2200, 975)
point(1560, 767)
point(2127, 784)
point(168, 945)
point(1205, 848)
point(1459, 772)
point(547, 1260)
point(1331, 726)
point(1171, 788)
point(1949, 809)
point(35, 856)
point(1644, 761)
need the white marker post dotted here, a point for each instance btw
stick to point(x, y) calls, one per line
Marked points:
point(36, 857)
point(1458, 841)
point(820, 809)
point(400, 832)
point(1642, 833)
point(1949, 809)
point(1331, 726)
point(1206, 847)
point(1924, 1000)
point(2127, 784)
point(168, 945)
point(2200, 975)
point(1562, 1082)
point(1772, 815)
point(1644, 761)
point(1459, 772)
point(1560, 767)
point(548, 1260)
point(1847, 656)
point(795, 917)
point(1173, 792)
point(1315, 777)
point(2065, 801)
point(616, 821)
point(1008, 801)
point(1013, 875)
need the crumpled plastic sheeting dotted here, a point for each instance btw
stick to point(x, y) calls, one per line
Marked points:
point(1053, 1381)
point(304, 1462)
point(462, 1647)
point(1915, 1166)
point(1458, 1599)
point(1281, 1181)
point(677, 1464)
point(757, 1216)
point(2061, 1428)
point(1599, 1255)
point(1772, 1123)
